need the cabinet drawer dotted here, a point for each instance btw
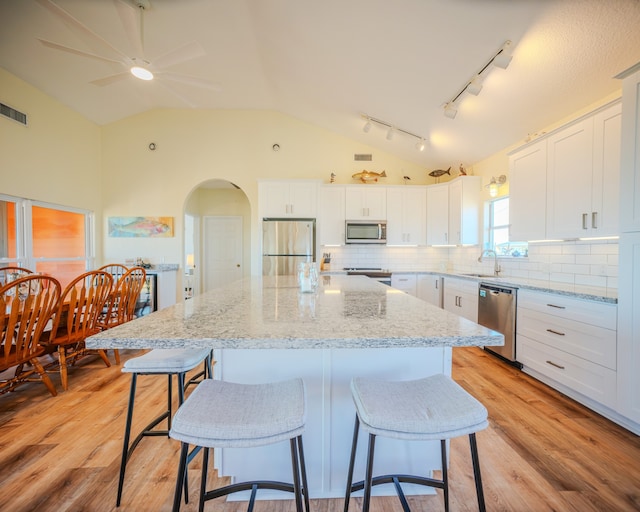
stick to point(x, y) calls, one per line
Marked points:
point(594, 313)
point(589, 342)
point(404, 282)
point(592, 380)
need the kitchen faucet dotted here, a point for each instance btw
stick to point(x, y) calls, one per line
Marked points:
point(496, 267)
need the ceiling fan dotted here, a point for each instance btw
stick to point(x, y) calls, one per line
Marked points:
point(137, 66)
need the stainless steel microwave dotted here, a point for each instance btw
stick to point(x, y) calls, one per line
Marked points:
point(366, 232)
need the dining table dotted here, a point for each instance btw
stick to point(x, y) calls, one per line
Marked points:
point(264, 329)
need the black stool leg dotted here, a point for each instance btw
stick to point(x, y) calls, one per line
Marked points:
point(127, 433)
point(303, 468)
point(203, 481)
point(354, 445)
point(182, 471)
point(295, 467)
point(368, 481)
point(476, 471)
point(445, 477)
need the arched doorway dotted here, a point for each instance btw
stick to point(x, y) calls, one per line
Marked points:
point(217, 236)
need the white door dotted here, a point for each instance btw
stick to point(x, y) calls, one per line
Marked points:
point(222, 251)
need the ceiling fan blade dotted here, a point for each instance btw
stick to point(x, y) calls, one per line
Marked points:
point(74, 51)
point(132, 22)
point(176, 93)
point(108, 80)
point(189, 80)
point(185, 52)
point(79, 28)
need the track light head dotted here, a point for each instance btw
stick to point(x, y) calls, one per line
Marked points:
point(390, 133)
point(420, 145)
point(450, 110)
point(367, 126)
point(475, 86)
point(503, 59)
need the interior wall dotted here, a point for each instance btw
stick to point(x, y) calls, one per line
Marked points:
point(55, 158)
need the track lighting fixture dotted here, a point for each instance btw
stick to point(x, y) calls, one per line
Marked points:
point(500, 59)
point(391, 130)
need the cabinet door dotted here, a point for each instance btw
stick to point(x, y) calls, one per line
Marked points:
point(438, 215)
point(406, 216)
point(629, 328)
point(366, 203)
point(461, 297)
point(605, 196)
point(630, 159)
point(464, 210)
point(303, 198)
point(405, 282)
point(274, 199)
point(331, 215)
point(569, 178)
point(455, 213)
point(429, 289)
point(528, 193)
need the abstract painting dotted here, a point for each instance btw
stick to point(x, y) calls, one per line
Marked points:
point(154, 227)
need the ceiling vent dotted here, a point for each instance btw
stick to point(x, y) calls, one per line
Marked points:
point(361, 157)
point(12, 113)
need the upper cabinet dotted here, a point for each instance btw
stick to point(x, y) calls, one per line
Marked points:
point(406, 215)
point(630, 162)
point(528, 192)
point(453, 209)
point(289, 198)
point(365, 202)
point(583, 172)
point(331, 215)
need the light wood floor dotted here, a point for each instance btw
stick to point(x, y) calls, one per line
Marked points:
point(541, 452)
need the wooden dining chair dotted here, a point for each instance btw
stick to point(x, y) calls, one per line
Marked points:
point(27, 306)
point(121, 306)
point(117, 270)
point(80, 307)
point(8, 274)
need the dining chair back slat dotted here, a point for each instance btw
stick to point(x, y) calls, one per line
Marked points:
point(27, 306)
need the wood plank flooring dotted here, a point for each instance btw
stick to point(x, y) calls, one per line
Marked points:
point(541, 452)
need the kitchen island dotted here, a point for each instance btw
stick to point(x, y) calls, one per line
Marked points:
point(263, 329)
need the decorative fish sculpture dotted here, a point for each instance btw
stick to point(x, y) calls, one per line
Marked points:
point(366, 176)
point(439, 172)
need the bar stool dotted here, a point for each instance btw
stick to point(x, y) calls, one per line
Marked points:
point(159, 362)
point(433, 408)
point(221, 414)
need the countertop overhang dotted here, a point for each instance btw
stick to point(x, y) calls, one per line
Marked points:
point(271, 312)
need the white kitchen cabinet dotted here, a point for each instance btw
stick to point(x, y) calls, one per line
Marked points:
point(288, 198)
point(453, 210)
point(629, 328)
point(331, 215)
point(582, 177)
point(429, 288)
point(405, 282)
point(569, 343)
point(460, 296)
point(406, 215)
point(528, 192)
point(630, 148)
point(438, 214)
point(365, 202)
point(464, 209)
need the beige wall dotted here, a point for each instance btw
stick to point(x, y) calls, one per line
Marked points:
point(55, 158)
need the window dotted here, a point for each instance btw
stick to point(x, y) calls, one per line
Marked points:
point(498, 230)
point(45, 238)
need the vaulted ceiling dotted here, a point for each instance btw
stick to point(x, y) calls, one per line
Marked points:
point(330, 62)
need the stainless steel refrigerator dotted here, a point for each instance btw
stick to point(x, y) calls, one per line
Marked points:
point(285, 243)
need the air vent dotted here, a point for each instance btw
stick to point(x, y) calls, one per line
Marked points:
point(12, 113)
point(362, 157)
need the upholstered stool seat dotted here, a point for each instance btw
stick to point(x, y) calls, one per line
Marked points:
point(221, 414)
point(159, 362)
point(433, 408)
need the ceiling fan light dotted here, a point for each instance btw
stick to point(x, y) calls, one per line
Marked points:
point(141, 73)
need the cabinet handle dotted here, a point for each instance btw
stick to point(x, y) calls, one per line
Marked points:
point(436, 284)
point(594, 220)
point(584, 221)
point(555, 364)
point(446, 236)
point(555, 332)
point(557, 307)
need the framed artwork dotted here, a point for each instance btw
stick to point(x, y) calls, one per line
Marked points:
point(146, 227)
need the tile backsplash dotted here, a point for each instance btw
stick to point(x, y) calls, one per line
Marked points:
point(577, 266)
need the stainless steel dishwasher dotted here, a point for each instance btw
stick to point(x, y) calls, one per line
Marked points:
point(497, 311)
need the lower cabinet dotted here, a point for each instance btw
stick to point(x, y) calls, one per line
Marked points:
point(461, 297)
point(429, 288)
point(570, 344)
point(404, 282)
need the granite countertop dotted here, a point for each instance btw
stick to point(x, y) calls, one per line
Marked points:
point(270, 312)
